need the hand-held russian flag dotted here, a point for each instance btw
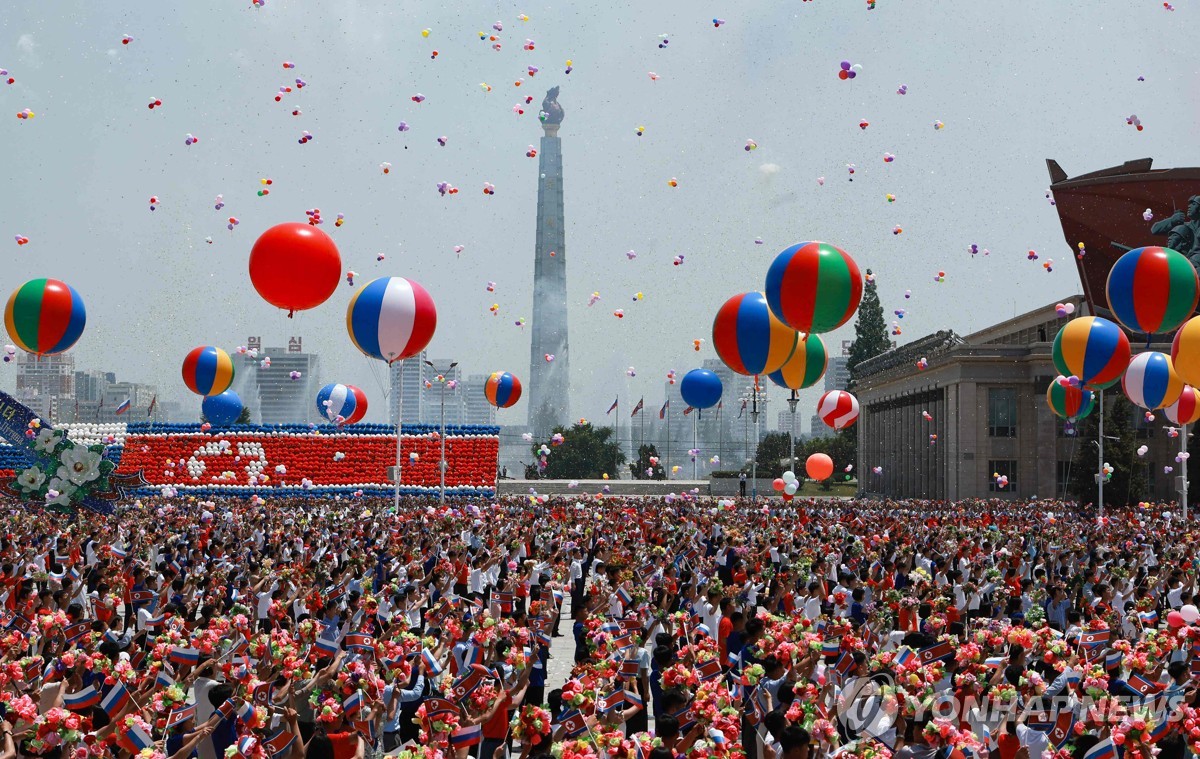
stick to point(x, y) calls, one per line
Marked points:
point(352, 705)
point(245, 712)
point(1148, 618)
point(163, 679)
point(466, 736)
point(84, 699)
point(184, 655)
point(904, 655)
point(137, 735)
point(1105, 749)
point(115, 701)
point(323, 647)
point(831, 646)
point(431, 663)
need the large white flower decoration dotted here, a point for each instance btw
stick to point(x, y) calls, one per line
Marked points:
point(31, 479)
point(62, 489)
point(79, 465)
point(46, 440)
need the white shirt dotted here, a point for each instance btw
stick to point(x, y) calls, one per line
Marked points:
point(475, 581)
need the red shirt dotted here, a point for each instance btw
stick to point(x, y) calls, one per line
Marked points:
point(345, 745)
point(723, 629)
point(496, 728)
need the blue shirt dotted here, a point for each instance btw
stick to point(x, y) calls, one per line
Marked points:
point(405, 696)
point(224, 736)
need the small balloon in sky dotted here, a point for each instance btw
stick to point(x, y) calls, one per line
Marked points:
point(890, 198)
point(520, 322)
point(294, 375)
point(340, 220)
point(896, 230)
point(751, 145)
point(1031, 255)
point(549, 357)
point(877, 470)
point(498, 26)
point(126, 39)
point(1148, 215)
point(938, 126)
point(489, 188)
point(403, 127)
point(442, 140)
point(718, 22)
point(1141, 451)
point(619, 313)
point(697, 343)
point(907, 294)
point(426, 32)
point(677, 260)
point(595, 296)
point(821, 181)
point(208, 240)
point(902, 89)
point(1050, 198)
point(154, 103)
point(863, 124)
point(529, 45)
point(850, 170)
point(1048, 265)
point(671, 376)
point(570, 67)
point(939, 277)
point(896, 329)
point(495, 309)
point(350, 275)
point(305, 137)
point(848, 70)
point(153, 202)
point(758, 241)
point(21, 239)
point(531, 152)
point(1134, 121)
point(663, 41)
point(458, 249)
point(888, 157)
point(653, 76)
point(922, 363)
point(231, 222)
point(1171, 431)
point(1063, 310)
point(418, 98)
point(265, 363)
point(522, 17)
point(380, 257)
point(289, 65)
point(491, 287)
point(631, 372)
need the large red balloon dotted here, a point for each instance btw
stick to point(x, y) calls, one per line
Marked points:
point(819, 466)
point(295, 266)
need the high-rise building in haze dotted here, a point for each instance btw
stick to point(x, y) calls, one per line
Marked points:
point(439, 394)
point(837, 374)
point(549, 380)
point(46, 384)
point(477, 408)
point(406, 380)
point(270, 393)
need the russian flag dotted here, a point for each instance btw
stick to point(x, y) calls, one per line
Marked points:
point(122, 407)
point(138, 737)
point(1148, 618)
point(115, 701)
point(120, 553)
point(904, 655)
point(473, 655)
point(1105, 749)
point(1112, 660)
point(431, 663)
point(716, 736)
point(352, 704)
point(624, 595)
point(543, 638)
point(84, 699)
point(163, 679)
point(702, 629)
point(1160, 729)
point(994, 662)
point(633, 698)
point(325, 647)
point(466, 736)
point(245, 712)
point(184, 655)
point(156, 621)
point(246, 745)
point(611, 628)
point(831, 646)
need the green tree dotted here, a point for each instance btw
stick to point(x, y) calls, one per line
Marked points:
point(1128, 483)
point(870, 330)
point(639, 468)
point(841, 446)
point(772, 454)
point(586, 453)
point(244, 417)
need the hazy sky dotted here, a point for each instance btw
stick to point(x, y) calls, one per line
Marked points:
point(1014, 83)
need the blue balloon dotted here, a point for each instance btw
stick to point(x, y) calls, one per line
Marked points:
point(222, 410)
point(700, 388)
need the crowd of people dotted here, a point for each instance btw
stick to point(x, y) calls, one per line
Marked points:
point(184, 628)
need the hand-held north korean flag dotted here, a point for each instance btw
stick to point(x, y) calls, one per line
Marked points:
point(941, 650)
point(573, 723)
point(1064, 728)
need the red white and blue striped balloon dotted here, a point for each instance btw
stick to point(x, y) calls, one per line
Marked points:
point(341, 404)
point(1186, 410)
point(1151, 381)
point(391, 318)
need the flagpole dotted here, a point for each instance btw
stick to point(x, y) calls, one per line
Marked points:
point(667, 468)
point(617, 434)
point(695, 442)
point(641, 424)
point(720, 437)
point(399, 416)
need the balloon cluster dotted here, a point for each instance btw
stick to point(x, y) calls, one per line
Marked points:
point(1063, 310)
point(1134, 121)
point(787, 484)
point(848, 71)
point(1001, 480)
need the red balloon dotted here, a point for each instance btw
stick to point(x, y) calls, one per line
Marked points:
point(843, 75)
point(295, 266)
point(819, 466)
point(778, 484)
point(1175, 620)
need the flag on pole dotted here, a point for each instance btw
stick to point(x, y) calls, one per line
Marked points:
point(610, 408)
point(637, 408)
point(123, 406)
point(662, 412)
point(153, 403)
point(742, 409)
point(688, 410)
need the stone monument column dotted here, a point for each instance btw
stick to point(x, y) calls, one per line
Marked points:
point(549, 381)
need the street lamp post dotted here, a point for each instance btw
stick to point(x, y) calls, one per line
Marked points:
point(441, 378)
point(792, 401)
point(754, 461)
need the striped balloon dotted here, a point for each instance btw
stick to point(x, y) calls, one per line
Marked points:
point(207, 370)
point(502, 389)
point(45, 316)
point(391, 318)
point(1093, 349)
point(1070, 402)
point(1152, 289)
point(749, 337)
point(806, 366)
point(1185, 352)
point(814, 287)
point(341, 404)
point(1186, 410)
point(1151, 381)
point(838, 409)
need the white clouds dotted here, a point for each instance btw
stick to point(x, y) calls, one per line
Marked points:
point(769, 168)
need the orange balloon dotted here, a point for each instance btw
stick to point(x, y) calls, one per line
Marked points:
point(819, 466)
